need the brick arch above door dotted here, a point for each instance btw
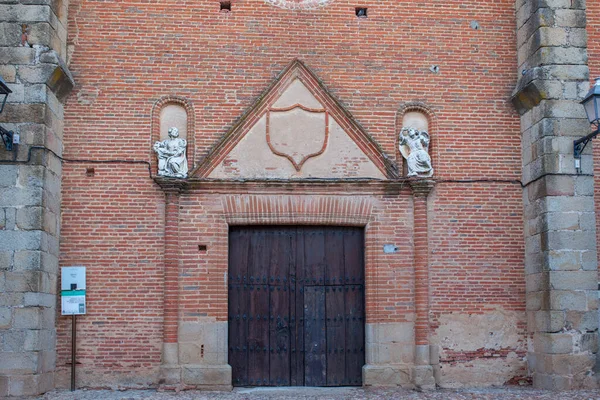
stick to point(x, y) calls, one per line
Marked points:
point(297, 210)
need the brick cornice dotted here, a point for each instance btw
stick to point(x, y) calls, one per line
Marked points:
point(171, 185)
point(422, 187)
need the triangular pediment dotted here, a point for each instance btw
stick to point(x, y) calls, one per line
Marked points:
point(296, 130)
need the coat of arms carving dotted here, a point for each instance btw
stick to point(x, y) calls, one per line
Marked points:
point(297, 133)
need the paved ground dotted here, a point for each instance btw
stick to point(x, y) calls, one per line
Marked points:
point(507, 393)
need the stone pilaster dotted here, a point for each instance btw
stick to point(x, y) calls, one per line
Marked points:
point(560, 236)
point(185, 364)
point(170, 370)
point(32, 51)
point(423, 373)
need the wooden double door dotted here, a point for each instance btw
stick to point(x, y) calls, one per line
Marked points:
point(296, 306)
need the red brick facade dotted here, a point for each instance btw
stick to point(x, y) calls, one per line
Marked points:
point(460, 249)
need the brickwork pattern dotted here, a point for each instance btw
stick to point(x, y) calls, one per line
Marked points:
point(32, 50)
point(113, 223)
point(127, 56)
point(477, 277)
point(347, 53)
point(205, 222)
point(421, 266)
point(282, 210)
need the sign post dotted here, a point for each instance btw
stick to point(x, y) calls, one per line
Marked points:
point(73, 304)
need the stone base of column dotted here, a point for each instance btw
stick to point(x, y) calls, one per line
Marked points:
point(170, 354)
point(423, 377)
point(207, 377)
point(198, 377)
point(423, 372)
point(169, 375)
point(387, 375)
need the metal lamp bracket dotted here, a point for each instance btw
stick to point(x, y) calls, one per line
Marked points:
point(9, 138)
point(579, 145)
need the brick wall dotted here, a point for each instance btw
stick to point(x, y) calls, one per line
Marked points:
point(32, 53)
point(113, 223)
point(593, 30)
point(127, 55)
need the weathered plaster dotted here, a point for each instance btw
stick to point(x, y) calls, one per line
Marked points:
point(173, 115)
point(252, 158)
point(471, 332)
point(480, 349)
point(297, 93)
point(481, 372)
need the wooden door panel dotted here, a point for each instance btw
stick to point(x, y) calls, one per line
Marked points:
point(334, 256)
point(296, 306)
point(279, 322)
point(239, 246)
point(354, 306)
point(258, 317)
point(297, 277)
point(314, 256)
point(336, 335)
point(315, 338)
point(354, 254)
point(355, 330)
point(279, 338)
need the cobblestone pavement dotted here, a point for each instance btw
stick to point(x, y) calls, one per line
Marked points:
point(505, 393)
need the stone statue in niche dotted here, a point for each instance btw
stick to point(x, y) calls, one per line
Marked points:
point(414, 146)
point(172, 161)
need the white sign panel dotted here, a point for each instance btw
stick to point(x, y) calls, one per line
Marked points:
point(72, 276)
point(73, 302)
point(73, 290)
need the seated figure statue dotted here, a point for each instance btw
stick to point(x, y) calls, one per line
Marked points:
point(414, 146)
point(172, 161)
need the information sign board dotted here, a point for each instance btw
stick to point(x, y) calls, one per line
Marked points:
point(73, 290)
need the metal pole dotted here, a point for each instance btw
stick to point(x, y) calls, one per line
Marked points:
point(73, 350)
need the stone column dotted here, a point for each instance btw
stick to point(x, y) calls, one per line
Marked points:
point(32, 54)
point(559, 210)
point(170, 370)
point(423, 373)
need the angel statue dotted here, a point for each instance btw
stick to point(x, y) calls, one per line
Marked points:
point(414, 146)
point(172, 161)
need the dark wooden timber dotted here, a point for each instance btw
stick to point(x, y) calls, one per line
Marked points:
point(296, 306)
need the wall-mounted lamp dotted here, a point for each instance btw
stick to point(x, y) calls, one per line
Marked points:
point(7, 136)
point(591, 103)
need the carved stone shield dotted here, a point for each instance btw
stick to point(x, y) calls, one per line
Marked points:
point(297, 133)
